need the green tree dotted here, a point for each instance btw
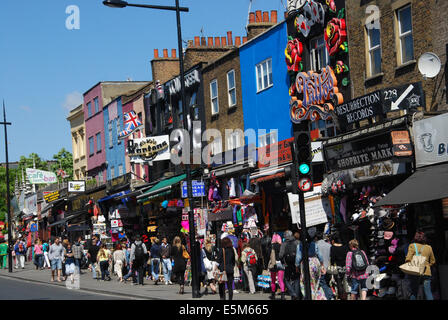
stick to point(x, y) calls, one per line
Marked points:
point(64, 160)
point(3, 189)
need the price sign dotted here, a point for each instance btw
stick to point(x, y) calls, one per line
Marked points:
point(305, 184)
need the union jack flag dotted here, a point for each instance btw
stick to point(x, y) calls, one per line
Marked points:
point(131, 123)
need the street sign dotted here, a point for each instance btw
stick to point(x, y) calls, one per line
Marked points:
point(305, 184)
point(198, 189)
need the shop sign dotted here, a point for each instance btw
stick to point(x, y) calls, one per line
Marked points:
point(198, 189)
point(80, 201)
point(31, 203)
point(76, 186)
point(431, 140)
point(402, 143)
point(317, 209)
point(36, 176)
point(359, 153)
point(191, 79)
point(408, 96)
point(358, 109)
point(119, 181)
point(52, 196)
point(319, 93)
point(283, 153)
point(149, 149)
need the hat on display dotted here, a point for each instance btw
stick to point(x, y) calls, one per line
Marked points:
point(381, 242)
point(165, 204)
point(355, 216)
point(380, 234)
point(388, 235)
point(382, 213)
point(388, 224)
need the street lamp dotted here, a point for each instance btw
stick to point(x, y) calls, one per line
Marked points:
point(185, 107)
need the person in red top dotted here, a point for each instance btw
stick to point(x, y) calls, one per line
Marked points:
point(356, 264)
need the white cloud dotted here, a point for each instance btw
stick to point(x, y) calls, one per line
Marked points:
point(72, 100)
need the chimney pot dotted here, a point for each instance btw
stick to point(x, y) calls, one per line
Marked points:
point(165, 53)
point(274, 16)
point(197, 41)
point(210, 42)
point(237, 41)
point(217, 42)
point(265, 16)
point(252, 17)
point(244, 40)
point(258, 16)
point(173, 53)
point(229, 38)
point(203, 42)
point(156, 53)
point(286, 14)
point(224, 41)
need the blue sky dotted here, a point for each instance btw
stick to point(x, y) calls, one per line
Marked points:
point(45, 68)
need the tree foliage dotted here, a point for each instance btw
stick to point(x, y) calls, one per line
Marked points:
point(3, 189)
point(64, 160)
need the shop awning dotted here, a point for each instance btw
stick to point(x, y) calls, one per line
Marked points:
point(426, 184)
point(62, 221)
point(268, 174)
point(83, 227)
point(122, 193)
point(162, 186)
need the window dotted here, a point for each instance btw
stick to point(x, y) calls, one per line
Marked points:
point(100, 178)
point(214, 96)
point(326, 128)
point(118, 130)
point(216, 146)
point(111, 143)
point(98, 142)
point(233, 141)
point(319, 56)
point(267, 139)
point(374, 47)
point(91, 147)
point(120, 170)
point(231, 88)
point(264, 74)
point(112, 172)
point(97, 106)
point(89, 109)
point(405, 34)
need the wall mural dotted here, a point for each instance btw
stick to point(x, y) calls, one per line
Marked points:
point(315, 93)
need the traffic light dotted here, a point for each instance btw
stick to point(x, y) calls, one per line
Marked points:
point(291, 175)
point(303, 159)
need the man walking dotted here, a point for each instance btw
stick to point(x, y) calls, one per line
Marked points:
point(165, 250)
point(20, 250)
point(288, 257)
point(56, 255)
point(78, 252)
point(324, 249)
point(138, 254)
point(3, 254)
point(155, 260)
point(91, 255)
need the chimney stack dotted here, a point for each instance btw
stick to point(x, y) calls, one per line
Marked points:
point(173, 53)
point(165, 53)
point(274, 16)
point(197, 41)
point(237, 41)
point(210, 42)
point(229, 38)
point(156, 53)
point(203, 42)
point(217, 42)
point(224, 41)
point(258, 16)
point(252, 17)
point(265, 16)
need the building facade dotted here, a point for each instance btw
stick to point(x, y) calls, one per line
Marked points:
point(78, 130)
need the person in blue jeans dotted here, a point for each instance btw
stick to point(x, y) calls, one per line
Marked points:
point(358, 277)
point(155, 260)
point(167, 266)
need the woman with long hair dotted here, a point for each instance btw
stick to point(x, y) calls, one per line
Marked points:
point(103, 259)
point(38, 254)
point(69, 263)
point(338, 253)
point(226, 260)
point(420, 247)
point(209, 251)
point(119, 258)
point(180, 263)
point(276, 267)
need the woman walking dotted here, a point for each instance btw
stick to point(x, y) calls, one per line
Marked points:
point(338, 253)
point(38, 255)
point(226, 260)
point(180, 263)
point(356, 268)
point(119, 258)
point(69, 263)
point(45, 249)
point(210, 255)
point(103, 258)
point(276, 267)
point(249, 259)
point(420, 247)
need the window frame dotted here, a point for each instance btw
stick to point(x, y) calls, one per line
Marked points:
point(96, 104)
point(269, 75)
point(111, 140)
point(91, 146)
point(229, 89)
point(262, 142)
point(215, 142)
point(99, 147)
point(89, 109)
point(371, 51)
point(314, 64)
point(400, 36)
point(216, 97)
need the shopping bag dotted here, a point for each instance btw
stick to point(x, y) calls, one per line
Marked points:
point(416, 266)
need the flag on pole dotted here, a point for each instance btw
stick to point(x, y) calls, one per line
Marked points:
point(131, 124)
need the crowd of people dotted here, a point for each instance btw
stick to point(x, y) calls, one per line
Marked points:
point(338, 271)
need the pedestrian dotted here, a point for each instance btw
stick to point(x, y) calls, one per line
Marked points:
point(56, 255)
point(103, 259)
point(249, 259)
point(69, 263)
point(324, 249)
point(129, 268)
point(209, 258)
point(180, 262)
point(119, 258)
point(255, 244)
point(45, 249)
point(155, 260)
point(92, 254)
point(356, 264)
point(167, 267)
point(78, 253)
point(276, 268)
point(64, 244)
point(266, 247)
point(38, 255)
point(138, 254)
point(338, 253)
point(20, 252)
point(288, 256)
point(420, 247)
point(3, 254)
point(226, 260)
point(315, 263)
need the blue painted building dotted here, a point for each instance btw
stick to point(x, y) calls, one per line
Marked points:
point(265, 85)
point(114, 148)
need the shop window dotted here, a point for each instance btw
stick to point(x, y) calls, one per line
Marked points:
point(374, 50)
point(264, 75)
point(405, 37)
point(214, 96)
point(319, 56)
point(231, 88)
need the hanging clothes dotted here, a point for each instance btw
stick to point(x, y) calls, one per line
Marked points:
point(231, 187)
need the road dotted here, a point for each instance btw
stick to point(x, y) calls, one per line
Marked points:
point(12, 289)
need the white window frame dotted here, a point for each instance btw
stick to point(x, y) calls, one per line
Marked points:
point(230, 89)
point(233, 141)
point(316, 65)
point(112, 172)
point(371, 52)
point(111, 142)
point(264, 69)
point(214, 97)
point(100, 177)
point(216, 146)
point(120, 170)
point(403, 35)
point(262, 141)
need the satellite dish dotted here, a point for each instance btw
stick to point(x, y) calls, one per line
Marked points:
point(429, 65)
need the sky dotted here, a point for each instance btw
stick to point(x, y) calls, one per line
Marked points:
point(45, 67)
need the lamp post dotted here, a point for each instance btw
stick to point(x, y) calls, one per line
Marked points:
point(185, 107)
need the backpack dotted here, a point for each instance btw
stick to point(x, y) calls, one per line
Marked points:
point(290, 254)
point(251, 258)
point(139, 253)
point(359, 262)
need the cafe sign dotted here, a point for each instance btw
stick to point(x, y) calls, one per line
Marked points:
point(36, 176)
point(149, 149)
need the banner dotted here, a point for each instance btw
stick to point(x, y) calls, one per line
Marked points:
point(431, 140)
point(149, 149)
point(76, 186)
point(316, 209)
point(31, 204)
point(36, 176)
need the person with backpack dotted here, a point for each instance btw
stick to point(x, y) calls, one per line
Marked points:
point(324, 249)
point(138, 254)
point(276, 267)
point(78, 252)
point(288, 257)
point(20, 251)
point(356, 264)
point(249, 259)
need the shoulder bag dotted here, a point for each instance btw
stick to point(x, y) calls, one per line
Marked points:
point(221, 276)
point(416, 266)
point(185, 254)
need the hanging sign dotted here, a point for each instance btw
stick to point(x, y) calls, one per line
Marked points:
point(408, 96)
point(51, 197)
point(76, 186)
point(402, 143)
point(198, 189)
point(149, 149)
point(36, 176)
point(316, 209)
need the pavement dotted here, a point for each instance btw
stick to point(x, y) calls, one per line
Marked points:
point(148, 291)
